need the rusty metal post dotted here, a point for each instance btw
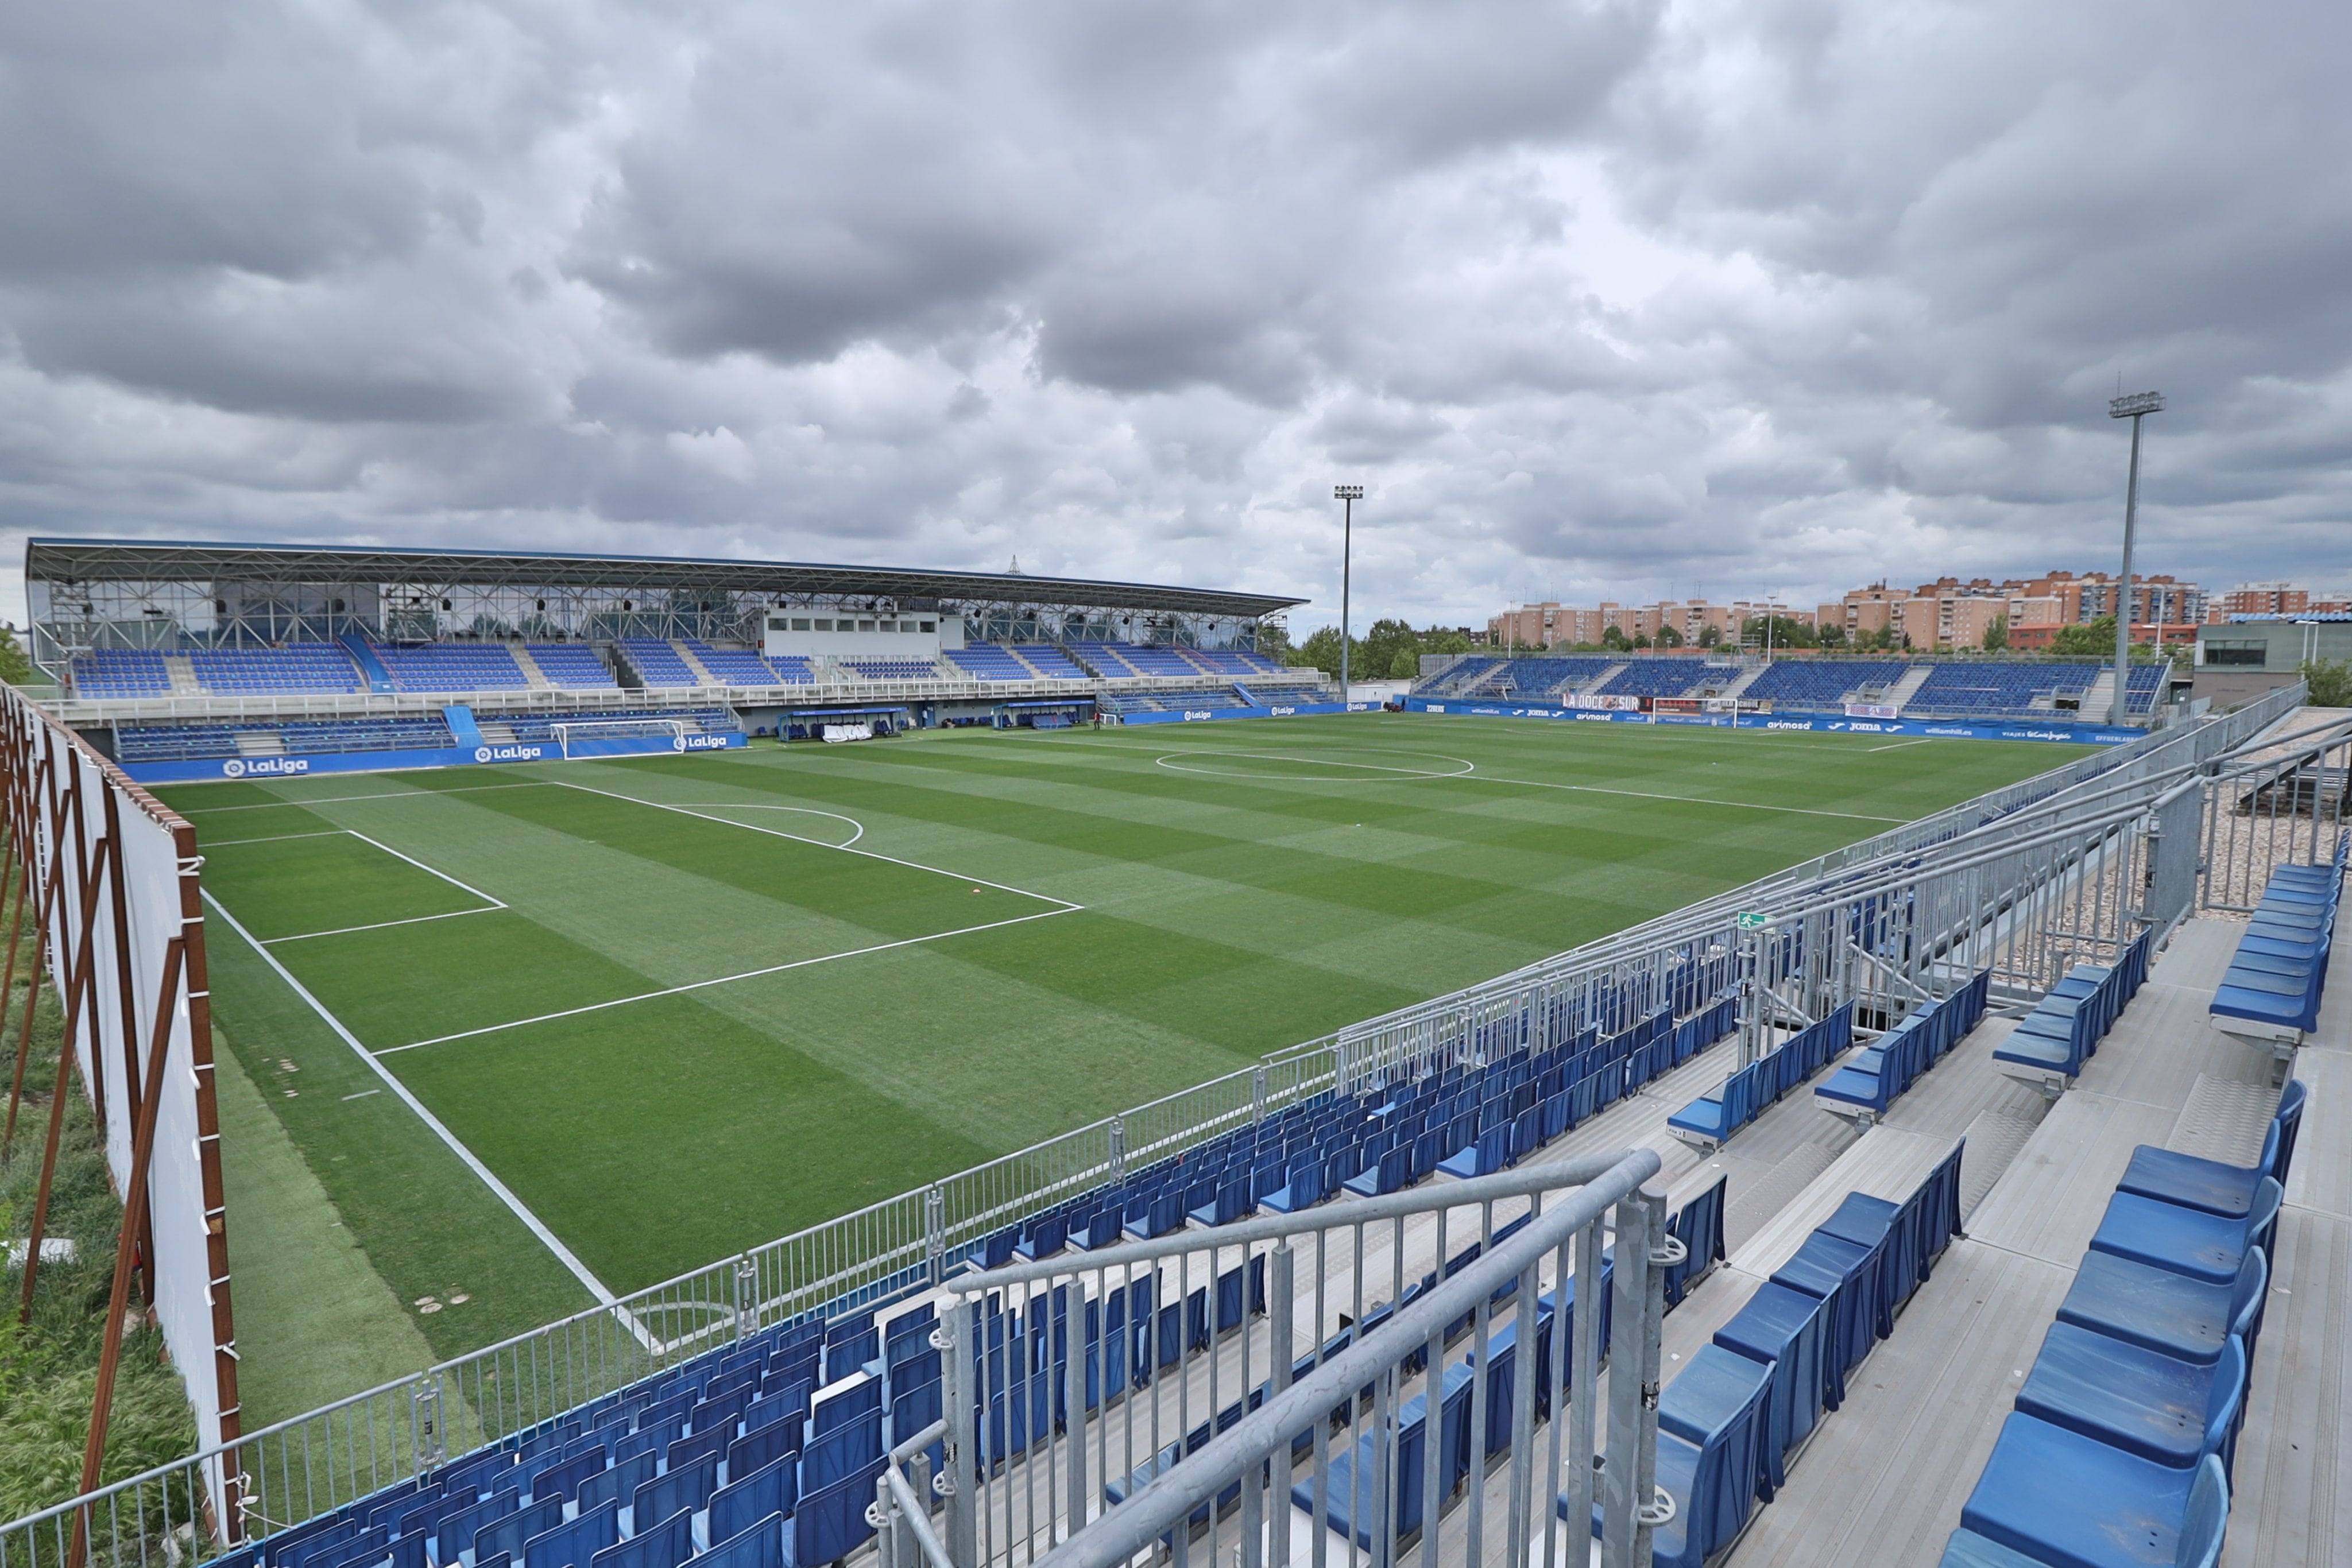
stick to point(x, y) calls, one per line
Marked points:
point(134, 1214)
point(78, 977)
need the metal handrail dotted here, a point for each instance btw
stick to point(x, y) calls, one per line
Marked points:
point(1523, 1183)
point(1169, 1498)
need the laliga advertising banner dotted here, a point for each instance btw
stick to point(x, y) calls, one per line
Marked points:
point(197, 770)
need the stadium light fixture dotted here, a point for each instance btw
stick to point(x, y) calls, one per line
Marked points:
point(2134, 406)
point(1347, 496)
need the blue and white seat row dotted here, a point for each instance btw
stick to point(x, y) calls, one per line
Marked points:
point(1883, 1071)
point(1742, 1407)
point(2119, 1450)
point(2276, 980)
point(2050, 1044)
point(1711, 1120)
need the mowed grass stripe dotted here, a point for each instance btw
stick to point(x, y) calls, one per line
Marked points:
point(1429, 856)
point(656, 1139)
point(297, 884)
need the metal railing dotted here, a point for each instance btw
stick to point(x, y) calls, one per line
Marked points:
point(2282, 804)
point(1315, 1348)
point(2025, 879)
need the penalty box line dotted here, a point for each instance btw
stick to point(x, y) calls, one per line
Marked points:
point(505, 1195)
point(1066, 905)
point(726, 981)
point(490, 903)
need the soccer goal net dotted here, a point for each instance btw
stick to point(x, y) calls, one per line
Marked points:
point(581, 733)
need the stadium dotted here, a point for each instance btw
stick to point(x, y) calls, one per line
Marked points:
point(821, 1064)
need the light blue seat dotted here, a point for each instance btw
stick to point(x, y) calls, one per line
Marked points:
point(1844, 1277)
point(2071, 1501)
point(2170, 1313)
point(2184, 1240)
point(1789, 1331)
point(1713, 1482)
point(2210, 1186)
point(2171, 1413)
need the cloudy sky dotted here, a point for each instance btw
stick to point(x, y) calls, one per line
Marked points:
point(1612, 299)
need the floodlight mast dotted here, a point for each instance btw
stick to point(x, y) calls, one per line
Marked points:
point(1347, 496)
point(2134, 406)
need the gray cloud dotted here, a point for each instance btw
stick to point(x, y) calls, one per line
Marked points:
point(1603, 297)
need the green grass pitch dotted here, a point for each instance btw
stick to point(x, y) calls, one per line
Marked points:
point(682, 1006)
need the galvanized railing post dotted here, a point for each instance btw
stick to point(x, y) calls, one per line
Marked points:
point(1581, 1461)
point(1622, 1474)
point(935, 1232)
point(1073, 1393)
point(1651, 1506)
point(1280, 1285)
point(962, 1434)
point(1523, 1417)
point(747, 1297)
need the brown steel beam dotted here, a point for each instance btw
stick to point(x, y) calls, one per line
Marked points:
point(77, 974)
point(134, 1211)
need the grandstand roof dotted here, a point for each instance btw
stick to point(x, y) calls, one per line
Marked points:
point(78, 560)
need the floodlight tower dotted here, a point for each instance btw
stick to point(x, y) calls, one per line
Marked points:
point(2134, 407)
point(1347, 496)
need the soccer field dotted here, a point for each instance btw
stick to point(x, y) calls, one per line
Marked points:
point(618, 1020)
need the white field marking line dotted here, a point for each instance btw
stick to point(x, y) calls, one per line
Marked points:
point(728, 979)
point(805, 811)
point(521, 1211)
point(420, 865)
point(489, 904)
point(362, 1093)
point(383, 925)
point(845, 849)
point(1581, 788)
point(1897, 746)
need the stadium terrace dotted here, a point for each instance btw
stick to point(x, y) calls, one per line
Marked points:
point(190, 661)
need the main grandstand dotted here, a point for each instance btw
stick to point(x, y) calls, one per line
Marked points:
point(189, 660)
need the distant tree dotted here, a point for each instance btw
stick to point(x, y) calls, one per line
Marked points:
point(1274, 641)
point(2092, 638)
point(1996, 637)
point(1613, 639)
point(1669, 638)
point(1444, 640)
point(1833, 636)
point(1709, 636)
point(2330, 681)
point(1377, 654)
point(1641, 640)
point(15, 667)
point(1321, 652)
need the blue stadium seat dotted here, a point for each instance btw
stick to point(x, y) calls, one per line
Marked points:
point(2063, 1499)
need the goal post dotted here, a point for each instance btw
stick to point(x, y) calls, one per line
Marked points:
point(568, 733)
